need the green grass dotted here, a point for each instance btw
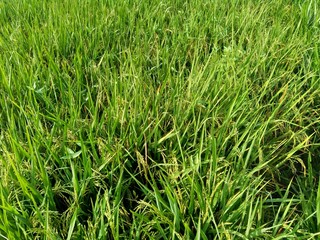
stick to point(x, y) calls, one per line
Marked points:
point(159, 119)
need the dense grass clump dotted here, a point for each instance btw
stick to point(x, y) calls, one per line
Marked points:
point(159, 120)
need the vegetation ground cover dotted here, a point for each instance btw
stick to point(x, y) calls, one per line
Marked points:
point(159, 119)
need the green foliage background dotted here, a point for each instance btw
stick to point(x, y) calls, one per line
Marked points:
point(159, 119)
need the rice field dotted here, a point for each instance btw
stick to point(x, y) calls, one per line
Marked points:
point(159, 119)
